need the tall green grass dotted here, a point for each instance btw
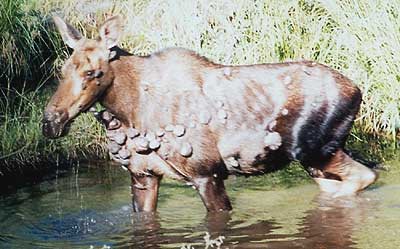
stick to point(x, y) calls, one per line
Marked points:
point(25, 46)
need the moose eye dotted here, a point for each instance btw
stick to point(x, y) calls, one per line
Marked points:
point(94, 74)
point(90, 73)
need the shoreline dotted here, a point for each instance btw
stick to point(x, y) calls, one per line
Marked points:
point(30, 174)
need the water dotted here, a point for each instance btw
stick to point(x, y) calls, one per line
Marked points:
point(90, 208)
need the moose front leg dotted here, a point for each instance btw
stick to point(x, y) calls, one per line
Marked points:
point(213, 194)
point(145, 192)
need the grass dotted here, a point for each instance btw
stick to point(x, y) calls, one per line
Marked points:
point(26, 48)
point(361, 39)
point(22, 142)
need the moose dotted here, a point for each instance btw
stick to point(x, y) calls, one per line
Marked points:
point(177, 114)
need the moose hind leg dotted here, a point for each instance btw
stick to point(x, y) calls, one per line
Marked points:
point(145, 192)
point(213, 194)
point(342, 176)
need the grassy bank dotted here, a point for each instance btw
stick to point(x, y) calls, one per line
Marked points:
point(361, 39)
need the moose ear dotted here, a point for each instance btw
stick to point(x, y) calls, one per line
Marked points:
point(68, 33)
point(110, 31)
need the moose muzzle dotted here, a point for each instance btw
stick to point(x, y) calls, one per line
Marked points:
point(54, 123)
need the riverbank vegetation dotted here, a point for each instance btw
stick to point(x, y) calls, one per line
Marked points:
point(361, 39)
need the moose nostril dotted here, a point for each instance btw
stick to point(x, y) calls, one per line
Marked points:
point(98, 73)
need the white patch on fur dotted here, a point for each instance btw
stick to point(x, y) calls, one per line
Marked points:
point(227, 71)
point(277, 92)
point(287, 80)
point(231, 161)
point(221, 114)
point(332, 95)
point(273, 140)
point(237, 143)
point(271, 126)
point(77, 84)
point(186, 149)
point(269, 93)
point(170, 77)
point(201, 185)
point(204, 117)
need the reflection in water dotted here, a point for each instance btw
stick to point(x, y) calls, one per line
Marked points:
point(329, 225)
point(92, 209)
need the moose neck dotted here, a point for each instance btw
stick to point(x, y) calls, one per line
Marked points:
point(122, 97)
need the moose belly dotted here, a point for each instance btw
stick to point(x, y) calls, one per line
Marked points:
point(194, 151)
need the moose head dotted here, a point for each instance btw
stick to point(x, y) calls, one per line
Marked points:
point(86, 74)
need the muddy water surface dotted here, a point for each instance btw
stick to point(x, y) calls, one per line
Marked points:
point(90, 208)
